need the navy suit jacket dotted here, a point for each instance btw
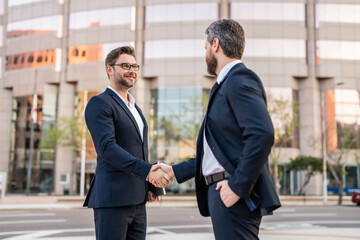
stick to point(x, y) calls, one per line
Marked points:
point(240, 133)
point(122, 157)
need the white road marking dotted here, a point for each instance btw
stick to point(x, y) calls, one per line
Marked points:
point(33, 221)
point(26, 215)
point(158, 230)
point(283, 210)
point(309, 215)
point(35, 235)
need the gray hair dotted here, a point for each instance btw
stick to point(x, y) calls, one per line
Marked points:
point(231, 37)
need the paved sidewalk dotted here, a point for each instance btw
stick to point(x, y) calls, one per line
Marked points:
point(20, 202)
point(303, 234)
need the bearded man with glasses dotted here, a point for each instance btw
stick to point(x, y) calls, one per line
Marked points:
point(119, 189)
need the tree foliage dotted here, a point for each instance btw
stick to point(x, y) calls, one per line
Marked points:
point(311, 165)
point(284, 115)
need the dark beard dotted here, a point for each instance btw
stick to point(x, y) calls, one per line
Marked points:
point(211, 63)
point(121, 82)
point(124, 83)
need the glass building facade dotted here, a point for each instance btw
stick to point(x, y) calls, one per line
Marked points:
point(307, 57)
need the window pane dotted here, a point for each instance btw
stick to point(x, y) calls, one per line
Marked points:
point(32, 26)
point(103, 17)
point(286, 48)
point(92, 53)
point(175, 48)
point(343, 13)
point(181, 12)
point(31, 59)
point(344, 50)
point(268, 11)
point(12, 3)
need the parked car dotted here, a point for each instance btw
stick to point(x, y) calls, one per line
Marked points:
point(356, 198)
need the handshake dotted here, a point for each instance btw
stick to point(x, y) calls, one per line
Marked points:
point(161, 175)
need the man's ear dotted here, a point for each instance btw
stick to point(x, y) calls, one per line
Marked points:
point(215, 45)
point(108, 69)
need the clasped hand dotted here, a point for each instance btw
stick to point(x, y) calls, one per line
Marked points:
point(161, 175)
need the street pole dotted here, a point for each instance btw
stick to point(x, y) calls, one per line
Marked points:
point(33, 120)
point(323, 128)
point(83, 149)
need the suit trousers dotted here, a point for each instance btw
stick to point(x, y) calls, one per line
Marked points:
point(120, 223)
point(236, 222)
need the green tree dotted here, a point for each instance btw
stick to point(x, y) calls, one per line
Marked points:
point(67, 133)
point(284, 115)
point(347, 140)
point(311, 165)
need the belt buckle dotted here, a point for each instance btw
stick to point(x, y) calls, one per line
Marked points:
point(206, 180)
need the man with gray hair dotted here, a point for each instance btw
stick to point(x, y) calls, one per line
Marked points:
point(233, 183)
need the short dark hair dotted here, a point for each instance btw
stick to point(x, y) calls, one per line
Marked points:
point(231, 37)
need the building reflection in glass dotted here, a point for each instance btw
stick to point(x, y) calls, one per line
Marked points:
point(175, 118)
point(90, 152)
point(32, 26)
point(31, 60)
point(43, 150)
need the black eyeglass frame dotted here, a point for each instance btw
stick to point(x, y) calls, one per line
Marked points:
point(135, 66)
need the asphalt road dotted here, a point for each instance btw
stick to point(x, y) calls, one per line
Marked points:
point(173, 223)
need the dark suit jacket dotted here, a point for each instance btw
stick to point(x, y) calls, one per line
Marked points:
point(122, 157)
point(240, 134)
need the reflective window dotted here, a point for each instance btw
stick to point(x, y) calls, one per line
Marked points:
point(343, 13)
point(283, 109)
point(347, 106)
point(31, 59)
point(92, 53)
point(176, 115)
point(12, 3)
point(32, 26)
point(103, 17)
point(268, 11)
point(344, 50)
point(179, 48)
point(343, 118)
point(183, 48)
point(181, 12)
point(43, 153)
point(284, 48)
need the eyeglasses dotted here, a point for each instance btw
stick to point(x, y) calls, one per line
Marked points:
point(127, 66)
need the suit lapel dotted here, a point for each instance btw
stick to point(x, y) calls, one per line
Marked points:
point(126, 109)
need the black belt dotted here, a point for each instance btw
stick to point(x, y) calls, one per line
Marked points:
point(211, 179)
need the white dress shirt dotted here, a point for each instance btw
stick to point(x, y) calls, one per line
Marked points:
point(210, 164)
point(131, 106)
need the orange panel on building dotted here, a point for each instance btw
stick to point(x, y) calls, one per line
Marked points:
point(332, 140)
point(85, 53)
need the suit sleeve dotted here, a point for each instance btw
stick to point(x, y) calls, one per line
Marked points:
point(185, 170)
point(99, 120)
point(249, 107)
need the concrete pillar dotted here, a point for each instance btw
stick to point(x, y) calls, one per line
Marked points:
point(309, 94)
point(141, 91)
point(224, 9)
point(63, 172)
point(5, 127)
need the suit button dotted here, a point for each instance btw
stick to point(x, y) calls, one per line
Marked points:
point(213, 148)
